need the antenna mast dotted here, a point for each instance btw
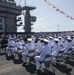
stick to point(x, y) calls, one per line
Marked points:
point(25, 3)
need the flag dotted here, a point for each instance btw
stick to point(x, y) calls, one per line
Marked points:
point(48, 3)
point(57, 9)
point(45, 0)
point(54, 7)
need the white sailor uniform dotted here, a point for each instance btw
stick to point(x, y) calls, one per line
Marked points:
point(11, 46)
point(29, 46)
point(45, 50)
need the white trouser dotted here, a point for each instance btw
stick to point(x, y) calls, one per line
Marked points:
point(37, 59)
point(17, 50)
point(54, 53)
point(65, 51)
point(9, 49)
point(54, 57)
point(25, 55)
point(37, 52)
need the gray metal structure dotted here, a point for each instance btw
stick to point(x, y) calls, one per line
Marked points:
point(8, 13)
point(28, 18)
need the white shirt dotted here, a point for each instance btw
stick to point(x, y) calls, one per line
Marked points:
point(11, 43)
point(55, 50)
point(18, 45)
point(22, 41)
point(40, 46)
point(30, 46)
point(51, 43)
point(67, 46)
point(60, 42)
point(73, 41)
point(45, 50)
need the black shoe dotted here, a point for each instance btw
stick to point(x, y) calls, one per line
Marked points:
point(24, 64)
point(38, 71)
point(12, 56)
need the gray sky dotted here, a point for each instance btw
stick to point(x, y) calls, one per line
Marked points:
point(47, 17)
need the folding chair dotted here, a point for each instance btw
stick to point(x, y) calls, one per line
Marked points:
point(30, 55)
point(18, 52)
point(68, 53)
point(2, 49)
point(10, 49)
point(60, 58)
point(46, 62)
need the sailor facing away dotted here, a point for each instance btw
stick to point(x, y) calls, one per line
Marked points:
point(45, 50)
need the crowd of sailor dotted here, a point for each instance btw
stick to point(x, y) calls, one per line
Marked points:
point(41, 45)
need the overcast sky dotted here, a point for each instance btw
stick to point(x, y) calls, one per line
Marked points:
point(47, 17)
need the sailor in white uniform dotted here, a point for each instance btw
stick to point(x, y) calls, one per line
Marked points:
point(22, 41)
point(45, 50)
point(11, 46)
point(56, 48)
point(68, 45)
point(18, 47)
point(60, 41)
point(30, 46)
point(39, 45)
point(51, 42)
